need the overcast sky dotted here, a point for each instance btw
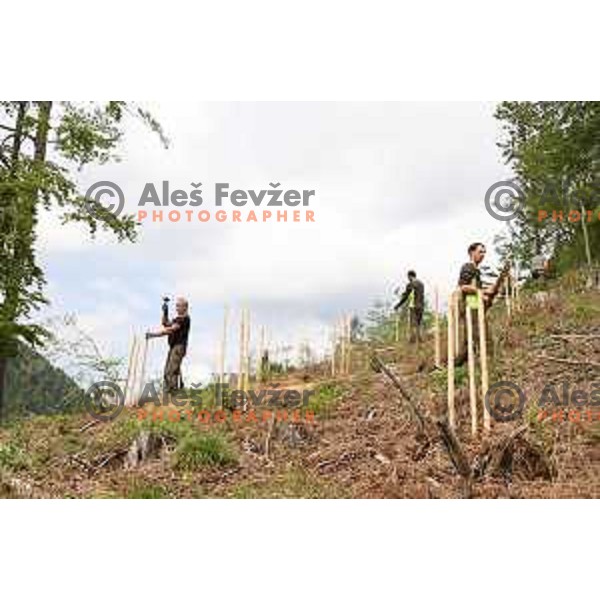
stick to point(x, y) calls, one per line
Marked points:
point(398, 186)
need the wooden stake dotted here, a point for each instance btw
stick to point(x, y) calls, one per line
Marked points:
point(142, 375)
point(343, 347)
point(333, 349)
point(516, 289)
point(483, 359)
point(437, 341)
point(240, 378)
point(261, 350)
point(471, 355)
point(223, 353)
point(507, 295)
point(397, 332)
point(349, 336)
point(451, 318)
point(129, 368)
point(247, 351)
point(457, 333)
point(134, 371)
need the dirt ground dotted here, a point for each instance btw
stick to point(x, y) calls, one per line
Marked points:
point(362, 441)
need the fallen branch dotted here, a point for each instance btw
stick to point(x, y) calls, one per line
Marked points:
point(88, 426)
point(379, 367)
point(567, 361)
point(457, 455)
point(575, 336)
point(109, 457)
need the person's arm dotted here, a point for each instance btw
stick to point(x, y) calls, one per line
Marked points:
point(164, 330)
point(404, 296)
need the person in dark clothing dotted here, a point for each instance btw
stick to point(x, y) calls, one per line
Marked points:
point(177, 330)
point(414, 294)
point(469, 283)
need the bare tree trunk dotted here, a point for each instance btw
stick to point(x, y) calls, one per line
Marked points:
point(16, 147)
point(7, 314)
point(21, 252)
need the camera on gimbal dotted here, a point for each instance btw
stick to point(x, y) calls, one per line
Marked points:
point(165, 310)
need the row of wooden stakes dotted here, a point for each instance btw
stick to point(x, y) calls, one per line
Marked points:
point(454, 348)
point(341, 352)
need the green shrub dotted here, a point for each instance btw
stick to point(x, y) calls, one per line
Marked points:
point(203, 449)
point(324, 399)
point(13, 457)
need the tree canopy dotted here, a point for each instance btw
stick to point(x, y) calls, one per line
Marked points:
point(42, 145)
point(554, 151)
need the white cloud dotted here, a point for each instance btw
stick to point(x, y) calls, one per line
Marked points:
point(398, 186)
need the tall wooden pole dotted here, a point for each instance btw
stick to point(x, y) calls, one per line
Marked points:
point(472, 384)
point(142, 376)
point(451, 317)
point(240, 378)
point(483, 359)
point(247, 351)
point(507, 295)
point(349, 337)
point(129, 369)
point(516, 289)
point(438, 341)
point(135, 371)
point(457, 333)
point(342, 346)
point(223, 354)
point(333, 349)
point(261, 351)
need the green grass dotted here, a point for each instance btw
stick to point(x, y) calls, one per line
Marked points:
point(142, 490)
point(201, 449)
point(324, 399)
point(293, 483)
point(439, 378)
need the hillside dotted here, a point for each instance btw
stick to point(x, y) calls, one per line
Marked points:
point(365, 441)
point(35, 386)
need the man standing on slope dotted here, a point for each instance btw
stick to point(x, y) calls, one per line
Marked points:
point(177, 331)
point(469, 283)
point(414, 293)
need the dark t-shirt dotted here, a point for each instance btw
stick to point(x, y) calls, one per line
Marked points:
point(180, 337)
point(470, 275)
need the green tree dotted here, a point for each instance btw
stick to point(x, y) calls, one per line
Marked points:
point(41, 144)
point(554, 150)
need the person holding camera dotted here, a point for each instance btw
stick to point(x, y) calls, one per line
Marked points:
point(178, 331)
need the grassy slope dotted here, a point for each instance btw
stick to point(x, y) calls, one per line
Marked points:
point(362, 445)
